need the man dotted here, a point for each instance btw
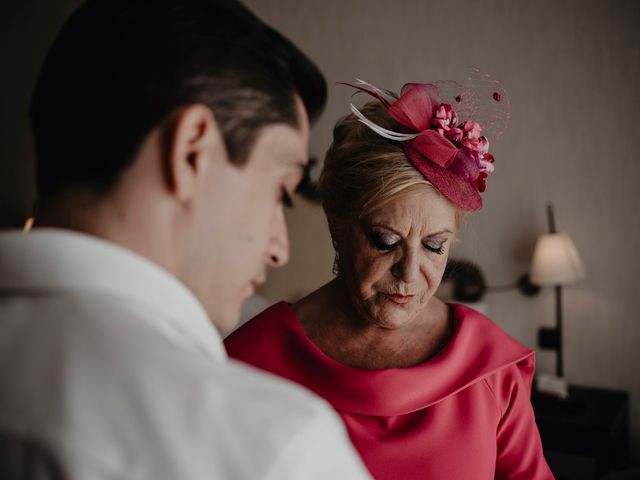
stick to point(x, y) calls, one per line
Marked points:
point(168, 137)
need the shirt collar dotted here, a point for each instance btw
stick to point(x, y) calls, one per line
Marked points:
point(52, 259)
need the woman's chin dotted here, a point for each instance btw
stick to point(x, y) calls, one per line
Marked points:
point(393, 315)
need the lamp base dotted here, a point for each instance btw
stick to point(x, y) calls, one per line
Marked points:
point(552, 386)
point(552, 396)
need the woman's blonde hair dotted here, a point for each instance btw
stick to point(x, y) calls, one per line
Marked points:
point(363, 171)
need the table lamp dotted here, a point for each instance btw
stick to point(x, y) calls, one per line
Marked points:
point(555, 263)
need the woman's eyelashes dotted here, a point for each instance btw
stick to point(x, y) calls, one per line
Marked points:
point(435, 247)
point(386, 242)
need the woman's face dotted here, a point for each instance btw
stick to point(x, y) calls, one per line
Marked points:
point(393, 261)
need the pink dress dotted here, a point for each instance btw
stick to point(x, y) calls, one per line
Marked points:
point(463, 414)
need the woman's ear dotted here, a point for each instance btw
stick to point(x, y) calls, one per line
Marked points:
point(194, 144)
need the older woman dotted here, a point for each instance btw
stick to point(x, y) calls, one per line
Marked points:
point(426, 389)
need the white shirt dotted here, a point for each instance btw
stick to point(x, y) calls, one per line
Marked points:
point(112, 366)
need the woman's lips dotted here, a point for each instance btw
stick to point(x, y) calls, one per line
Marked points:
point(399, 299)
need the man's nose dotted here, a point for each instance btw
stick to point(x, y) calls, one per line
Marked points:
point(278, 247)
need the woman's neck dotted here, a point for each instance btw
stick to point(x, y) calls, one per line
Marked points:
point(335, 327)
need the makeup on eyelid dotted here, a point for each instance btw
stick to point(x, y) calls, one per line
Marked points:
point(385, 241)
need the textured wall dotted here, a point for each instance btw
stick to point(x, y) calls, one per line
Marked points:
point(572, 71)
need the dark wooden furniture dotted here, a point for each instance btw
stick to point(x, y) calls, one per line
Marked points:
point(593, 423)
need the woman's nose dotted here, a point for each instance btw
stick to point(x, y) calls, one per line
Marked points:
point(407, 267)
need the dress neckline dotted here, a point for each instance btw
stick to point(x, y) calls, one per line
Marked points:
point(296, 325)
point(477, 349)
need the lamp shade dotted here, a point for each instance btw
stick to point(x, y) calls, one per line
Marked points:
point(556, 261)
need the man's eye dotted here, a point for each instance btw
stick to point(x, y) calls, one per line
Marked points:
point(286, 199)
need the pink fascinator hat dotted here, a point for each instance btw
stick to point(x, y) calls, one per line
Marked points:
point(443, 137)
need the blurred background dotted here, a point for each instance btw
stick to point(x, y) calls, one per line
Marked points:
point(572, 73)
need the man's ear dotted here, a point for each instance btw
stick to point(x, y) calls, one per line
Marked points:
point(194, 144)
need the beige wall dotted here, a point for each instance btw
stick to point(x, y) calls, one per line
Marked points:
point(571, 69)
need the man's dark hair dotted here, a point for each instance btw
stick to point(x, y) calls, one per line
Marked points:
point(119, 68)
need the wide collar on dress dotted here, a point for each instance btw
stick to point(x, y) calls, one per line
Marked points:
point(62, 260)
point(477, 349)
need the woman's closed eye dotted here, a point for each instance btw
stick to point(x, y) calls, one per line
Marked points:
point(384, 241)
point(388, 241)
point(435, 246)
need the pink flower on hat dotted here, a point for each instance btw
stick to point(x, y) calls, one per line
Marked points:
point(485, 163)
point(444, 119)
point(471, 135)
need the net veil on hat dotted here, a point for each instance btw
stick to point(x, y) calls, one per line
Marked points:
point(451, 153)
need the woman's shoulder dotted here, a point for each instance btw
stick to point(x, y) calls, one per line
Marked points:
point(495, 353)
point(486, 333)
